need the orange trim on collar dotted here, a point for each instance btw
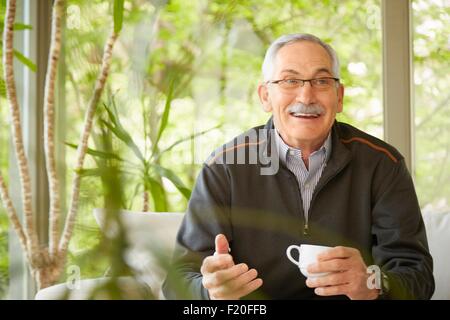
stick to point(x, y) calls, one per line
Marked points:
point(234, 147)
point(373, 146)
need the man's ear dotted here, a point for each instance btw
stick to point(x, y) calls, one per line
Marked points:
point(340, 93)
point(263, 94)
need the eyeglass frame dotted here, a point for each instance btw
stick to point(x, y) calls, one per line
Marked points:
point(302, 82)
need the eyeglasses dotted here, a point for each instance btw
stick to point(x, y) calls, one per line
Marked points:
point(320, 84)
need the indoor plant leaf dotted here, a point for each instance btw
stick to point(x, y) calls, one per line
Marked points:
point(169, 174)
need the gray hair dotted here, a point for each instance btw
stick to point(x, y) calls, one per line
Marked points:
point(267, 66)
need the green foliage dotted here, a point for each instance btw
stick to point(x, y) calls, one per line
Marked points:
point(4, 256)
point(118, 15)
point(432, 103)
point(30, 64)
point(165, 116)
point(183, 67)
point(145, 172)
point(4, 155)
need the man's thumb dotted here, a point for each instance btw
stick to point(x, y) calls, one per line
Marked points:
point(221, 244)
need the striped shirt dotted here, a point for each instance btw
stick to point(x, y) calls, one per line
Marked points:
point(307, 179)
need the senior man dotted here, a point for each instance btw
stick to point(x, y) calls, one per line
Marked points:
point(303, 178)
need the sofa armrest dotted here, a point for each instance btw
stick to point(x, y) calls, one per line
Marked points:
point(129, 288)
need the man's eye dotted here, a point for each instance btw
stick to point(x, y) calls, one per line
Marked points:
point(321, 82)
point(292, 82)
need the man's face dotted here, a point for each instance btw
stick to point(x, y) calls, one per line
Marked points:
point(302, 60)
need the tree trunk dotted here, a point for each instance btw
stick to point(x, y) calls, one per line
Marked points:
point(145, 206)
point(48, 274)
point(46, 263)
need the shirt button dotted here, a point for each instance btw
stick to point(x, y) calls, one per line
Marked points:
point(292, 152)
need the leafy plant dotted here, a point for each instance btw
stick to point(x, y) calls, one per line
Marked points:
point(47, 260)
point(145, 169)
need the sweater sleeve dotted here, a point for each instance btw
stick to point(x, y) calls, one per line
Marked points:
point(401, 247)
point(207, 215)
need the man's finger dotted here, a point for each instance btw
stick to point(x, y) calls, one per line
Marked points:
point(335, 265)
point(222, 276)
point(332, 290)
point(236, 284)
point(249, 288)
point(334, 279)
point(217, 262)
point(240, 286)
point(221, 244)
point(337, 253)
point(231, 273)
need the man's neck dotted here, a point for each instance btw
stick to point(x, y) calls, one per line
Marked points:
point(306, 147)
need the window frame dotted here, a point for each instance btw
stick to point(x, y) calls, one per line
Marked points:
point(34, 44)
point(397, 73)
point(397, 104)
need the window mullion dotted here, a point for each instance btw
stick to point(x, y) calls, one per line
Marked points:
point(34, 44)
point(397, 76)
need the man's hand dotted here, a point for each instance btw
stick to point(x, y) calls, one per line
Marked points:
point(223, 279)
point(348, 274)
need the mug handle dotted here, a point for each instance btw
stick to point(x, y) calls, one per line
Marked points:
point(288, 253)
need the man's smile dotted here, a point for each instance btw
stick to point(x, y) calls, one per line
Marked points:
point(305, 116)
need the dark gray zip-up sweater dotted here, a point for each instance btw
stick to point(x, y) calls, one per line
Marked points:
point(365, 199)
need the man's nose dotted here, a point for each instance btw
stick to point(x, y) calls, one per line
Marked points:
point(305, 94)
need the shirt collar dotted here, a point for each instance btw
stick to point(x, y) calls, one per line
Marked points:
point(283, 148)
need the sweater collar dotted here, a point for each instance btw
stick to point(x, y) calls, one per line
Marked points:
point(339, 157)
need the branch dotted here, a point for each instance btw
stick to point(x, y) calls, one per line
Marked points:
point(145, 206)
point(82, 147)
point(264, 37)
point(12, 213)
point(49, 123)
point(25, 181)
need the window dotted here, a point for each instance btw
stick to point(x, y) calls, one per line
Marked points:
point(214, 50)
point(4, 157)
point(4, 223)
point(432, 103)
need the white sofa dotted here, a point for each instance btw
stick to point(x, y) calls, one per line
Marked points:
point(151, 236)
point(438, 233)
point(130, 289)
point(157, 231)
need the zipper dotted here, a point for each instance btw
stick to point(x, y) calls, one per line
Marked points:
point(305, 229)
point(318, 188)
point(305, 216)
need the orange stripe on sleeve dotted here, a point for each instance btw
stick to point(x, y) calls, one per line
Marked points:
point(373, 146)
point(232, 148)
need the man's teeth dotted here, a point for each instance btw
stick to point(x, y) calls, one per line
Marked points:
point(309, 115)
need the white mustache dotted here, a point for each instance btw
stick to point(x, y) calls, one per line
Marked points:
point(314, 108)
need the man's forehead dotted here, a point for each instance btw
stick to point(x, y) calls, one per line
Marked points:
point(303, 57)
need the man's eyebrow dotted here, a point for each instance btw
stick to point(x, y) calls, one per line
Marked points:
point(319, 70)
point(290, 71)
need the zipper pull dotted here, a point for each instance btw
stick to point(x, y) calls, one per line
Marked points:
point(305, 230)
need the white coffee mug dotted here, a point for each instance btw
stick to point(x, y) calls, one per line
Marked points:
point(307, 254)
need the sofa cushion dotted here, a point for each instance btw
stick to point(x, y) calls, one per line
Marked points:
point(151, 237)
point(84, 289)
point(438, 232)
